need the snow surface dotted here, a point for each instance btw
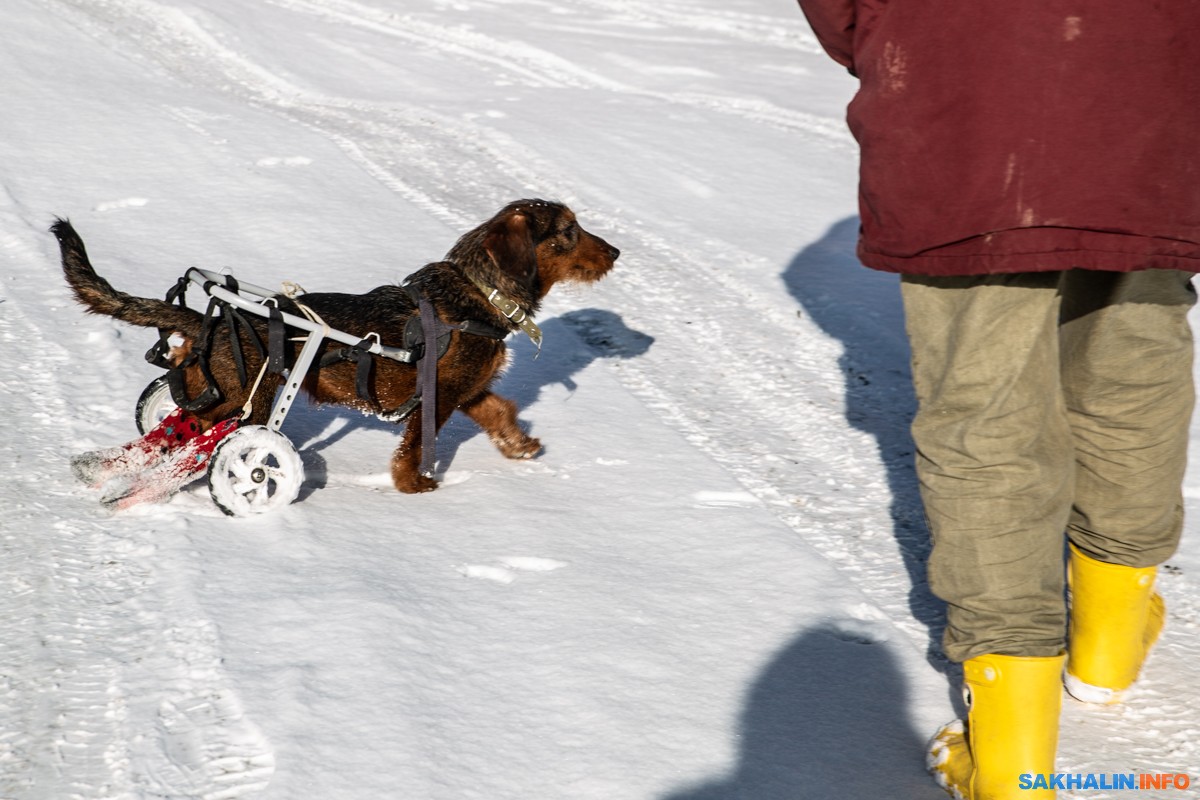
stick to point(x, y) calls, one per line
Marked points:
point(708, 586)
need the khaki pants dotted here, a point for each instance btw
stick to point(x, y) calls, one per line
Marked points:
point(1047, 402)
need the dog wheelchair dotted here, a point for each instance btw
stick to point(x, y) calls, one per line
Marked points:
point(255, 468)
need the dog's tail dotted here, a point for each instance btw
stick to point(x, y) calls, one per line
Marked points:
point(100, 297)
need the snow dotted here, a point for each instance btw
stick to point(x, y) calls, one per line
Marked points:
point(710, 585)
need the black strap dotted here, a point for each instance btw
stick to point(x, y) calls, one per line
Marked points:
point(334, 356)
point(179, 292)
point(208, 396)
point(427, 373)
point(471, 326)
point(157, 355)
point(362, 372)
point(235, 345)
point(276, 334)
point(477, 328)
point(363, 361)
point(432, 330)
point(201, 348)
point(404, 411)
point(415, 338)
point(237, 323)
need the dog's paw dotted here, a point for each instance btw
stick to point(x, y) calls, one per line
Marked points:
point(525, 447)
point(415, 484)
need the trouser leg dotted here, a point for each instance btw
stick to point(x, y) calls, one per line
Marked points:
point(994, 457)
point(1127, 379)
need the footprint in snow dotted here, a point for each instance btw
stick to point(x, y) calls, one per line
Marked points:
point(707, 499)
point(289, 161)
point(117, 205)
point(510, 567)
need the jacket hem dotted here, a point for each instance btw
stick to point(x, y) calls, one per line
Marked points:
point(1001, 252)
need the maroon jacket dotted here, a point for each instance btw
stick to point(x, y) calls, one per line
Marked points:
point(1023, 135)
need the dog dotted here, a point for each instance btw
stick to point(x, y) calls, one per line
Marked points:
point(496, 274)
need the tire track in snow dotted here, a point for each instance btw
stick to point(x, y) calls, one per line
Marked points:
point(110, 679)
point(57, 699)
point(757, 29)
point(438, 155)
point(540, 68)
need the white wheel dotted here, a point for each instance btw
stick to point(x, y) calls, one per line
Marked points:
point(254, 470)
point(153, 405)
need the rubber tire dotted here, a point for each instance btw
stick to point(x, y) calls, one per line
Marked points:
point(254, 470)
point(154, 403)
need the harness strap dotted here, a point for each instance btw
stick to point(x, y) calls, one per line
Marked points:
point(199, 355)
point(157, 355)
point(429, 353)
point(363, 360)
point(205, 398)
point(276, 333)
point(179, 292)
point(362, 371)
point(236, 322)
point(427, 373)
point(477, 328)
point(403, 412)
point(472, 326)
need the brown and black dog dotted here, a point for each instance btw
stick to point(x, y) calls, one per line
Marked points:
point(521, 252)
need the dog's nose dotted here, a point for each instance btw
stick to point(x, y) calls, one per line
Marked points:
point(614, 252)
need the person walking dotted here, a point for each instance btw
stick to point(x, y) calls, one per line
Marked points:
point(1032, 170)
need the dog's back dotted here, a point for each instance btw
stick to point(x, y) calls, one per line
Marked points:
point(383, 310)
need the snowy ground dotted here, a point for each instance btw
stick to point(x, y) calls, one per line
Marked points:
point(710, 584)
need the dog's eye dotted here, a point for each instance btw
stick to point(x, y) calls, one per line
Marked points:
point(565, 238)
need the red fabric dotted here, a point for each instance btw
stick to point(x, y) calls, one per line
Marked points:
point(175, 469)
point(1023, 135)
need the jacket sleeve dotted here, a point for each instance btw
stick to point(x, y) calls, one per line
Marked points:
point(833, 23)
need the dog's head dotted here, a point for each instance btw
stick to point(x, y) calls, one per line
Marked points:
point(534, 244)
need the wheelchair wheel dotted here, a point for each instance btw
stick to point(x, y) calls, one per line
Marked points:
point(154, 403)
point(254, 470)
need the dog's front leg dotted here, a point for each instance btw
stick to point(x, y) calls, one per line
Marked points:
point(406, 461)
point(498, 418)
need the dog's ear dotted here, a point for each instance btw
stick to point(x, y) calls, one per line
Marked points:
point(509, 242)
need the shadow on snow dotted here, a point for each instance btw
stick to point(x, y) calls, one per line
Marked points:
point(826, 718)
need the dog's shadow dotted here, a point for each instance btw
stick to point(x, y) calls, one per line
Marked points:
point(571, 342)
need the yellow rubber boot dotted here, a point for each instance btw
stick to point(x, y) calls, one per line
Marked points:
point(1011, 730)
point(1115, 618)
